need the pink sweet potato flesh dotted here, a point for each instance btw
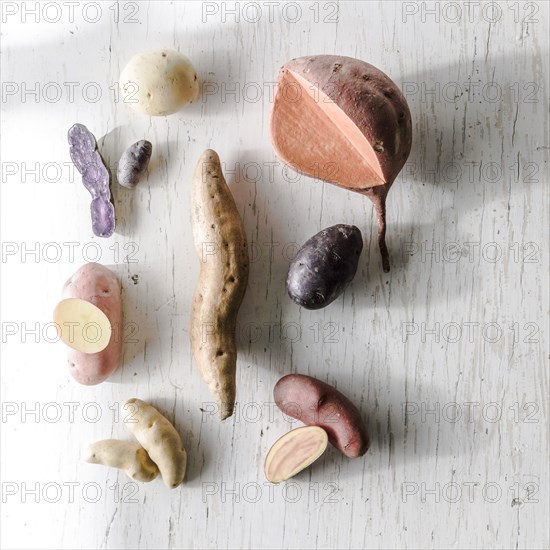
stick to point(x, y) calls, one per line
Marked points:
point(341, 120)
point(316, 403)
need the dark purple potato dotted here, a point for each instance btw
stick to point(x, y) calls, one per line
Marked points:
point(133, 163)
point(95, 177)
point(324, 266)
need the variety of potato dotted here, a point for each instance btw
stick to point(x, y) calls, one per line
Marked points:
point(89, 319)
point(133, 163)
point(324, 266)
point(316, 403)
point(345, 122)
point(220, 242)
point(159, 438)
point(159, 82)
point(159, 447)
point(95, 178)
point(127, 456)
point(355, 121)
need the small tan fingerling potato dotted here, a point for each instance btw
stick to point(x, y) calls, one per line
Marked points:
point(293, 452)
point(220, 242)
point(159, 82)
point(315, 403)
point(158, 437)
point(128, 456)
point(89, 321)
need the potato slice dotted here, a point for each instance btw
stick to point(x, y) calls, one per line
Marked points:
point(294, 452)
point(82, 326)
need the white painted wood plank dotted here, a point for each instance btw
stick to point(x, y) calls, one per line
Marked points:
point(461, 330)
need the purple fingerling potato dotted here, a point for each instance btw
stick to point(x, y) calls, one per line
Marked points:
point(95, 178)
point(133, 163)
point(83, 145)
point(103, 217)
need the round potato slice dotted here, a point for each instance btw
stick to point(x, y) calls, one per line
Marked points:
point(82, 326)
point(294, 452)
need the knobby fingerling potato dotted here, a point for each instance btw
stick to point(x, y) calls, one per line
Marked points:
point(127, 456)
point(217, 226)
point(159, 438)
point(316, 403)
point(88, 317)
point(341, 120)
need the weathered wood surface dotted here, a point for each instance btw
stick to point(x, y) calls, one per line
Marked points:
point(458, 417)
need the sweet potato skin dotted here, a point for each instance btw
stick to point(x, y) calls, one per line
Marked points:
point(357, 100)
point(369, 98)
point(221, 244)
point(316, 403)
point(97, 284)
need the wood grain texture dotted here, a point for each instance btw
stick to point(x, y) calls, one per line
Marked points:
point(446, 356)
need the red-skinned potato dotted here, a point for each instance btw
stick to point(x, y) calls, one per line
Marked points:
point(316, 403)
point(92, 287)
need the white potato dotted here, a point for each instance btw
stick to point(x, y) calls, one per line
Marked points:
point(159, 82)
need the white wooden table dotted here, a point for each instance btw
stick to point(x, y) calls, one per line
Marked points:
point(447, 355)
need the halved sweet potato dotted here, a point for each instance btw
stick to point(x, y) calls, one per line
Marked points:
point(344, 121)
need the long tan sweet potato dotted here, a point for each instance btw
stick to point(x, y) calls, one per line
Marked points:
point(220, 241)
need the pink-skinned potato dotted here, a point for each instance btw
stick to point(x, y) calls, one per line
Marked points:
point(316, 403)
point(98, 285)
